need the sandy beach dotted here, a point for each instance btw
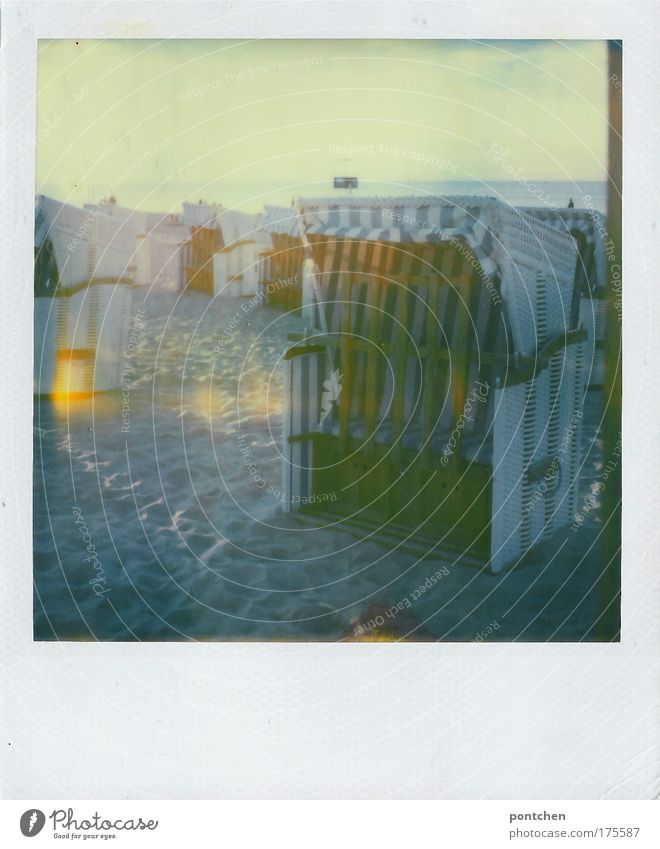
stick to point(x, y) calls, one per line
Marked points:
point(175, 481)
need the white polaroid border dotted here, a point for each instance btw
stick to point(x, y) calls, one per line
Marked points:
point(273, 720)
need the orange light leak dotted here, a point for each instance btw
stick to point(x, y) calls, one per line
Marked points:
point(73, 406)
point(70, 373)
point(76, 354)
point(71, 396)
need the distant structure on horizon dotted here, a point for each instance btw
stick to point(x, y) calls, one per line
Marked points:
point(348, 183)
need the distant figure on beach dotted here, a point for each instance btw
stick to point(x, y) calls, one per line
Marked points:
point(570, 203)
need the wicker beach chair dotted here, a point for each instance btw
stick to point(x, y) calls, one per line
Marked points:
point(280, 265)
point(236, 264)
point(440, 395)
point(83, 294)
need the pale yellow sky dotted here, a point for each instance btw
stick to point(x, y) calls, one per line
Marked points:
point(156, 123)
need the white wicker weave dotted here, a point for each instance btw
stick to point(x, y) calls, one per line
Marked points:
point(538, 271)
point(592, 318)
point(593, 226)
point(86, 243)
point(536, 456)
point(94, 319)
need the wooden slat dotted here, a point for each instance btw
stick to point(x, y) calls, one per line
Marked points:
point(445, 260)
point(401, 346)
point(373, 388)
point(463, 332)
point(346, 402)
point(431, 369)
point(360, 315)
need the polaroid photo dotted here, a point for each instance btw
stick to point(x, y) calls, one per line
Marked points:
point(276, 402)
point(315, 311)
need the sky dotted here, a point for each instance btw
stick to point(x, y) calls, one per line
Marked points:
point(245, 122)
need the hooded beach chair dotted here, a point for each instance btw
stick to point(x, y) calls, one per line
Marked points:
point(439, 396)
point(280, 265)
point(83, 294)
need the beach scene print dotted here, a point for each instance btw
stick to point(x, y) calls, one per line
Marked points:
point(327, 341)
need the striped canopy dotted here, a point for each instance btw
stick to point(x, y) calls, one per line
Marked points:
point(281, 221)
point(494, 231)
point(512, 250)
point(201, 215)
